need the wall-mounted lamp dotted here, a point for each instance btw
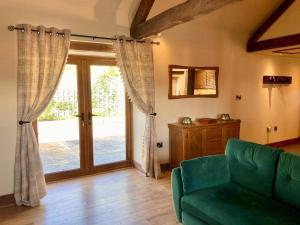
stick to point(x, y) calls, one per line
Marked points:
point(277, 79)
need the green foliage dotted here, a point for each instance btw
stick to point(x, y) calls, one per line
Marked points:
point(105, 97)
point(58, 110)
point(48, 114)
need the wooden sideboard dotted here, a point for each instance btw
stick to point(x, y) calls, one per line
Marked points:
point(191, 141)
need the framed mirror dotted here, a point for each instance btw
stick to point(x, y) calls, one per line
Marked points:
point(190, 82)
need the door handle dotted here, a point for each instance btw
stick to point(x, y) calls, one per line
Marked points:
point(90, 117)
point(81, 116)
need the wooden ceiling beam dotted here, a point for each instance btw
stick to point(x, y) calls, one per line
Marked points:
point(280, 42)
point(179, 14)
point(254, 44)
point(271, 20)
point(142, 13)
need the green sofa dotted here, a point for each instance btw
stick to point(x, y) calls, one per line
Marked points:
point(251, 184)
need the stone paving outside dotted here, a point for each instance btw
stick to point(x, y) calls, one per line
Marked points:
point(59, 143)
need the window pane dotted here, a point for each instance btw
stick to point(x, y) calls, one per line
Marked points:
point(58, 128)
point(108, 108)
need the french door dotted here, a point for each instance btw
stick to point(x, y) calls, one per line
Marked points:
point(86, 127)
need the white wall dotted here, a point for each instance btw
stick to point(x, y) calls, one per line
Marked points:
point(240, 73)
point(8, 94)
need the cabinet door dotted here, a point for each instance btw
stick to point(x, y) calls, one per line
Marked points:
point(194, 143)
point(176, 146)
point(230, 131)
point(212, 141)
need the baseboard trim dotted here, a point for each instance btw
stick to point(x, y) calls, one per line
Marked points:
point(138, 166)
point(284, 142)
point(7, 201)
point(165, 167)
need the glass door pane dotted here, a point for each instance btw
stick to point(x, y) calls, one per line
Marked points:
point(58, 126)
point(108, 115)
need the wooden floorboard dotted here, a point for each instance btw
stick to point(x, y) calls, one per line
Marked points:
point(122, 197)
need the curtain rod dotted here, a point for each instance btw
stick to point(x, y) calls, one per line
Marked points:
point(12, 28)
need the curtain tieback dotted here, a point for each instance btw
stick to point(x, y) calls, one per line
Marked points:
point(21, 122)
point(153, 114)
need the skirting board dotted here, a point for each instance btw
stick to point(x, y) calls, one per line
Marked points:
point(285, 142)
point(7, 201)
point(164, 167)
point(138, 166)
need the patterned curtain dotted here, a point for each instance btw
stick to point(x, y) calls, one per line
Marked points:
point(41, 59)
point(135, 60)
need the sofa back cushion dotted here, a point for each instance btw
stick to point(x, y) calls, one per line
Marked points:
point(204, 172)
point(253, 166)
point(287, 185)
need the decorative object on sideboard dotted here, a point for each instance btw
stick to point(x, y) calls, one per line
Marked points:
point(186, 120)
point(224, 116)
point(277, 79)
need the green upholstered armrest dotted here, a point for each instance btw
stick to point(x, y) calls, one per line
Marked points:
point(177, 191)
point(204, 172)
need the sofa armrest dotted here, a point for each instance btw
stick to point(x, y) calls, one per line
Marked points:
point(177, 192)
point(204, 172)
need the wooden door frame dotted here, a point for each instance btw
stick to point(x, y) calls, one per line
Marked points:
point(86, 162)
point(128, 121)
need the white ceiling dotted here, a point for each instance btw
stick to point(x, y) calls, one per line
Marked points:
point(110, 17)
point(242, 16)
point(287, 24)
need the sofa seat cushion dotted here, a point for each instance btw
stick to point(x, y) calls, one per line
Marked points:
point(231, 204)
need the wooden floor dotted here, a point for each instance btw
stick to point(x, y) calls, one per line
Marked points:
point(122, 197)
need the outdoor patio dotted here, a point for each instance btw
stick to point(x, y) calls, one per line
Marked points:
point(59, 143)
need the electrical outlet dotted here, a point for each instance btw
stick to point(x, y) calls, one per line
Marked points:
point(238, 97)
point(159, 144)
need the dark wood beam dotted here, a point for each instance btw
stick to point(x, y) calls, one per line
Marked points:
point(142, 13)
point(271, 20)
point(273, 43)
point(179, 14)
point(254, 44)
